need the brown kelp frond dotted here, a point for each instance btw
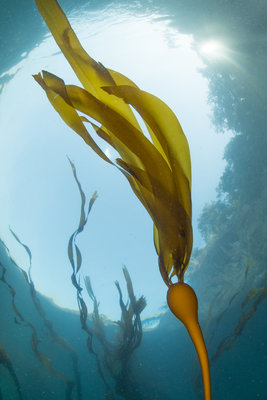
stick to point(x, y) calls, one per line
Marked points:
point(18, 318)
point(137, 305)
point(130, 323)
point(89, 289)
point(26, 248)
point(73, 249)
point(35, 341)
point(116, 355)
point(6, 362)
point(252, 293)
point(74, 253)
point(140, 305)
point(75, 258)
point(97, 321)
point(240, 290)
point(229, 341)
point(158, 170)
point(56, 339)
point(125, 322)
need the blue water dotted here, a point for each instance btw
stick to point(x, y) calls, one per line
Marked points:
point(44, 352)
point(163, 367)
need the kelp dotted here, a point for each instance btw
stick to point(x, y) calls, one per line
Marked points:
point(253, 292)
point(75, 258)
point(55, 337)
point(159, 171)
point(130, 323)
point(228, 342)
point(116, 356)
point(156, 163)
point(7, 363)
point(73, 249)
point(259, 293)
point(35, 340)
point(18, 316)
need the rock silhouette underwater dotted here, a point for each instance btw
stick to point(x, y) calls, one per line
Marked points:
point(158, 171)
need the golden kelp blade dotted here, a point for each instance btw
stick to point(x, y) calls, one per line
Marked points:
point(168, 132)
point(152, 176)
point(158, 172)
point(90, 73)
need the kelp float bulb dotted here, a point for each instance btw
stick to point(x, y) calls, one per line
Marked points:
point(183, 303)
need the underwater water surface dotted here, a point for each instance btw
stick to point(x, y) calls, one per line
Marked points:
point(208, 64)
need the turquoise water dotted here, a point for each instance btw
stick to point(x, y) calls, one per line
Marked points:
point(208, 63)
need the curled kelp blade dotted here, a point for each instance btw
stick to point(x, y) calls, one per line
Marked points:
point(133, 140)
point(60, 101)
point(167, 130)
point(124, 132)
point(154, 164)
point(122, 80)
point(128, 139)
point(91, 74)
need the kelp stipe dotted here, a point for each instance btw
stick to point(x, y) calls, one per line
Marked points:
point(183, 303)
point(158, 170)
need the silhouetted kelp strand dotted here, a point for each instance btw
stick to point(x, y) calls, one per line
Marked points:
point(76, 265)
point(97, 322)
point(131, 333)
point(249, 296)
point(89, 343)
point(59, 341)
point(72, 247)
point(6, 362)
point(222, 313)
point(229, 341)
point(46, 362)
point(253, 292)
point(13, 293)
point(27, 250)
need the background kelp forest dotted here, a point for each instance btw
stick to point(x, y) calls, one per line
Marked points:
point(50, 353)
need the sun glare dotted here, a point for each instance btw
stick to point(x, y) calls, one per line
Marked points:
point(107, 152)
point(212, 48)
